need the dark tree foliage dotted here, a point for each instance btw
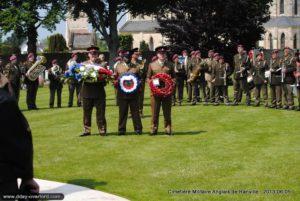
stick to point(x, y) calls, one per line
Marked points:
point(57, 43)
point(125, 41)
point(104, 15)
point(217, 24)
point(24, 17)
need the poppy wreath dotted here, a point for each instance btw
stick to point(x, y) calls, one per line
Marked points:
point(166, 86)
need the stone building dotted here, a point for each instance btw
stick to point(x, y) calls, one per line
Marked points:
point(143, 28)
point(283, 29)
point(78, 35)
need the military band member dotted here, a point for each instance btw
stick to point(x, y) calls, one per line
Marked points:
point(220, 74)
point(186, 63)
point(259, 67)
point(161, 65)
point(288, 66)
point(241, 64)
point(93, 94)
point(297, 76)
point(180, 73)
point(73, 84)
point(128, 101)
point(32, 86)
point(13, 73)
point(56, 84)
point(199, 81)
point(275, 81)
point(189, 84)
point(209, 87)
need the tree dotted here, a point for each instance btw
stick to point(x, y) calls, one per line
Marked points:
point(144, 46)
point(11, 45)
point(218, 24)
point(104, 15)
point(57, 43)
point(24, 17)
point(125, 41)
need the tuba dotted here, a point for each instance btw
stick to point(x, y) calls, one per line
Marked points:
point(37, 68)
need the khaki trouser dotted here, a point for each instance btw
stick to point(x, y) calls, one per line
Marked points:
point(276, 95)
point(221, 91)
point(166, 104)
point(87, 105)
point(257, 91)
point(124, 105)
point(288, 97)
point(240, 84)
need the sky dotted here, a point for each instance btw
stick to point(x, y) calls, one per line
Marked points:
point(61, 29)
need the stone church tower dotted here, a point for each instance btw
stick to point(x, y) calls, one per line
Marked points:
point(283, 29)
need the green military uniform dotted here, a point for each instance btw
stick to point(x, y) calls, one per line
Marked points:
point(13, 74)
point(210, 90)
point(275, 83)
point(289, 64)
point(258, 70)
point(189, 85)
point(199, 81)
point(241, 65)
point(219, 77)
point(31, 86)
point(143, 75)
point(166, 102)
point(93, 94)
point(127, 101)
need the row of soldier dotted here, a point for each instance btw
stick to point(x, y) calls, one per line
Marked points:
point(209, 76)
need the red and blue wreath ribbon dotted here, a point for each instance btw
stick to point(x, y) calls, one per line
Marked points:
point(166, 88)
point(128, 83)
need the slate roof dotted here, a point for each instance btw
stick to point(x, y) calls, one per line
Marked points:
point(140, 26)
point(283, 22)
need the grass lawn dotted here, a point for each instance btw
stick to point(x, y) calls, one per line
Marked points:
point(214, 148)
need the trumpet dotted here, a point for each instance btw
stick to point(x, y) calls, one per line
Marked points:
point(37, 68)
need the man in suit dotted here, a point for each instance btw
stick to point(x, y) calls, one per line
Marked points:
point(13, 73)
point(32, 86)
point(93, 94)
point(16, 150)
point(161, 65)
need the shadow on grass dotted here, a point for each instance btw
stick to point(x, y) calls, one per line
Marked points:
point(89, 183)
point(148, 133)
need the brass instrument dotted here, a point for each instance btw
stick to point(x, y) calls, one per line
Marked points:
point(37, 68)
point(195, 73)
